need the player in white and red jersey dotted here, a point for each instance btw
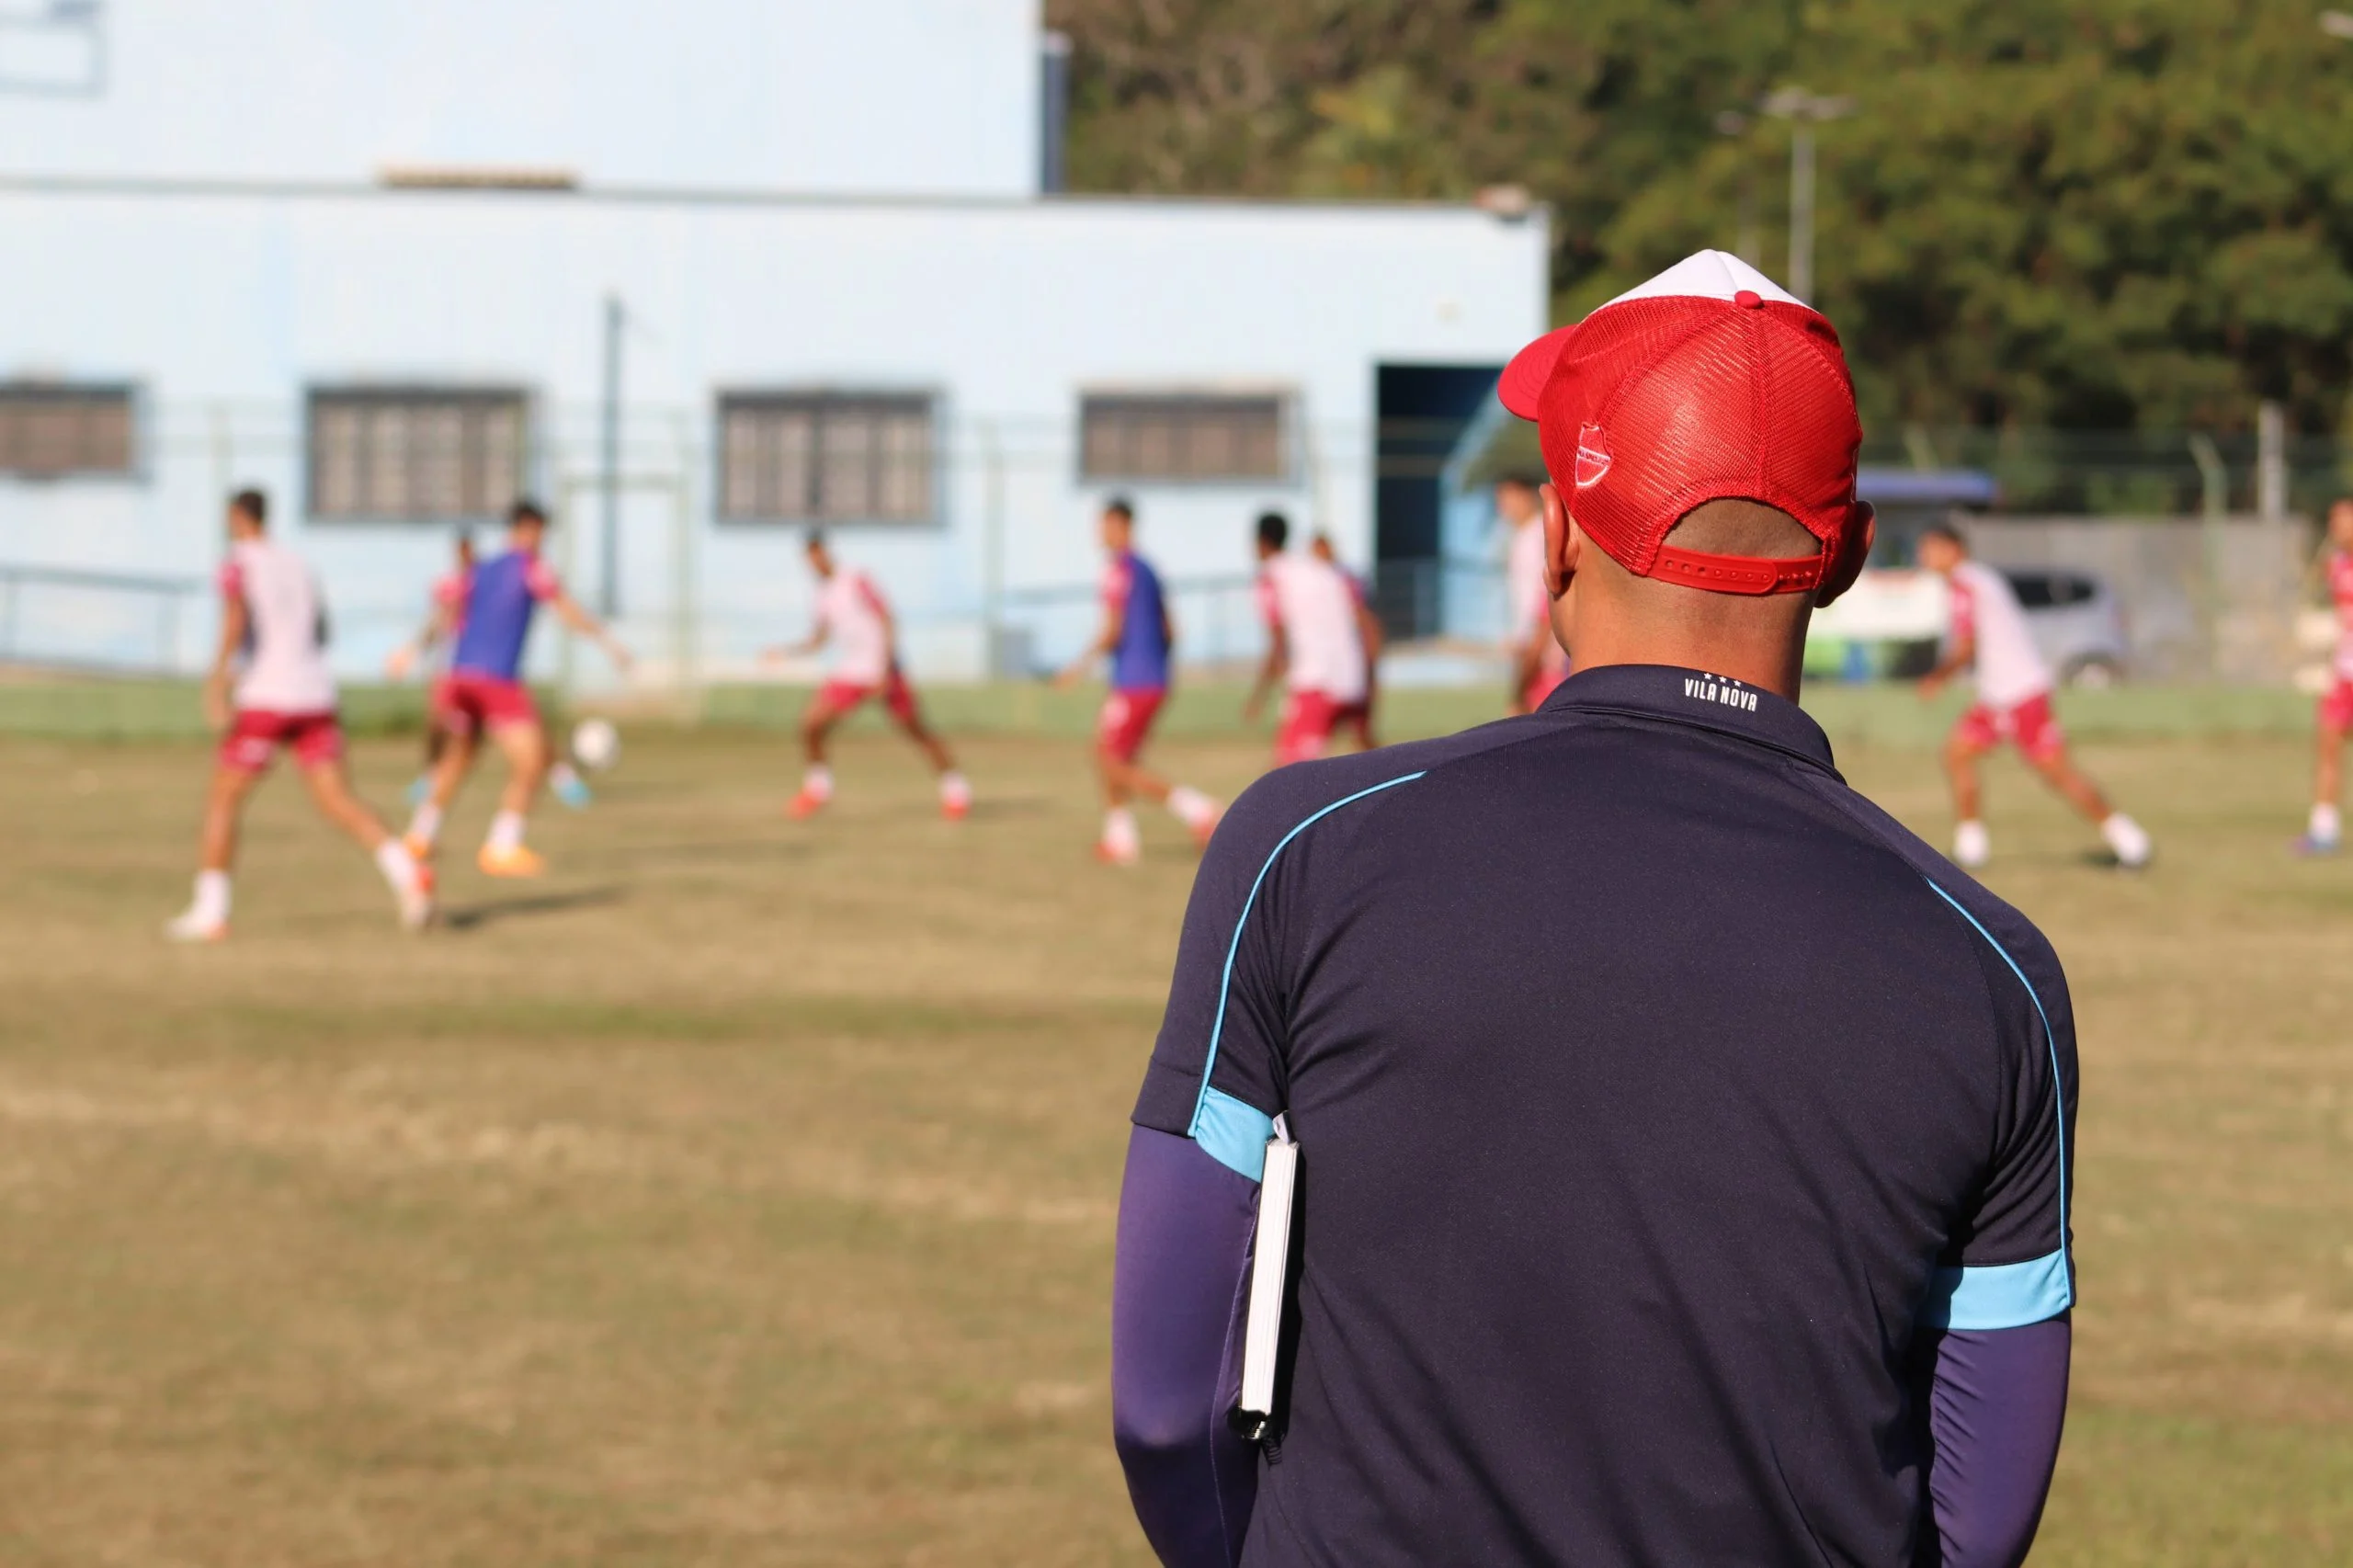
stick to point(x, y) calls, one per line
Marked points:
point(853, 617)
point(1538, 664)
point(2325, 830)
point(1990, 631)
point(269, 686)
point(1357, 716)
point(1315, 641)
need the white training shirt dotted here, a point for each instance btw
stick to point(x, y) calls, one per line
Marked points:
point(1315, 605)
point(1529, 606)
point(285, 662)
point(2340, 594)
point(851, 612)
point(2011, 669)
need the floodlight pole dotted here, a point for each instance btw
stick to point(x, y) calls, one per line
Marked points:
point(1803, 110)
point(610, 470)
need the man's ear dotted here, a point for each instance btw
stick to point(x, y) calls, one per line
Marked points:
point(1563, 543)
point(1849, 565)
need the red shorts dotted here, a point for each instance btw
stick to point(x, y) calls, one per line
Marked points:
point(1309, 718)
point(1126, 719)
point(2028, 726)
point(2336, 704)
point(256, 734)
point(464, 703)
point(838, 697)
point(1541, 685)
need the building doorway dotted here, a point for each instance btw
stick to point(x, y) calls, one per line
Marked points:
point(1422, 411)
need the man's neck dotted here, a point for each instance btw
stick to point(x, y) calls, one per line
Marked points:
point(1774, 667)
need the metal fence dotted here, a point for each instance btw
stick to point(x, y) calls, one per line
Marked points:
point(116, 622)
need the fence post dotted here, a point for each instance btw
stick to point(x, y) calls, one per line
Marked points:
point(2271, 461)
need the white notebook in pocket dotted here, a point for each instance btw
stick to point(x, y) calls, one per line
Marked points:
point(1269, 1273)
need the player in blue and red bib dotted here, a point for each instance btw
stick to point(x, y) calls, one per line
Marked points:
point(1138, 635)
point(484, 690)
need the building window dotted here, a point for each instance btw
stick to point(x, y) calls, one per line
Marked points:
point(51, 431)
point(415, 454)
point(825, 457)
point(1183, 437)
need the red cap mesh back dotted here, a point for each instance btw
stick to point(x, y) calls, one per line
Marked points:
point(1658, 405)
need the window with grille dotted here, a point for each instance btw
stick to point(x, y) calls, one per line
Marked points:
point(412, 454)
point(825, 457)
point(1188, 438)
point(51, 431)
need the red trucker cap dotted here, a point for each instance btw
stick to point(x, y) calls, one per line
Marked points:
point(1709, 382)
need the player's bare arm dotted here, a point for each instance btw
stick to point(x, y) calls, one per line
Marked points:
point(1271, 670)
point(1963, 655)
point(235, 621)
point(568, 610)
point(436, 631)
point(1115, 626)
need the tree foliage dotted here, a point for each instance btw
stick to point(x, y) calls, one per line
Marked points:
point(2095, 215)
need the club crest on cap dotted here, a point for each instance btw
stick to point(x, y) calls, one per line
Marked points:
point(1593, 457)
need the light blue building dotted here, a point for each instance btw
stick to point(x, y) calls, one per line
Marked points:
point(369, 258)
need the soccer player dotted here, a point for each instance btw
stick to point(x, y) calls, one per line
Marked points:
point(2013, 704)
point(1359, 717)
point(1314, 641)
point(1138, 635)
point(281, 695)
point(2326, 829)
point(484, 690)
point(852, 615)
point(441, 627)
point(1538, 664)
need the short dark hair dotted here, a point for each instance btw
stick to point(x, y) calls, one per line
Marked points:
point(1526, 478)
point(526, 511)
point(1274, 530)
point(815, 538)
point(1949, 532)
point(1121, 507)
point(253, 503)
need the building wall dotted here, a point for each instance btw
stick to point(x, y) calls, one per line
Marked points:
point(223, 307)
point(874, 96)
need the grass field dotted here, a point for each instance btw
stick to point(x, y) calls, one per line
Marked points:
point(744, 1194)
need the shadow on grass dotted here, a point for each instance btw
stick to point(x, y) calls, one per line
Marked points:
point(473, 916)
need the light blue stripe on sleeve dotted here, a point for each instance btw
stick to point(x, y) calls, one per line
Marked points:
point(2007, 1295)
point(2057, 1260)
point(1205, 1108)
point(1233, 1133)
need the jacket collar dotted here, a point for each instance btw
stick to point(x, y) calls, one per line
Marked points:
point(1696, 699)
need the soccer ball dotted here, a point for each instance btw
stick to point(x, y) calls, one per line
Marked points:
point(596, 744)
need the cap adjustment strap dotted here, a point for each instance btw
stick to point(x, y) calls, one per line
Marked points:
point(1739, 573)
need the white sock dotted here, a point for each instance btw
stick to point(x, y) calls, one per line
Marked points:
point(818, 782)
point(425, 825)
point(1189, 806)
point(2127, 837)
point(212, 905)
point(399, 867)
point(1972, 844)
point(505, 832)
point(953, 791)
point(1120, 835)
point(2326, 826)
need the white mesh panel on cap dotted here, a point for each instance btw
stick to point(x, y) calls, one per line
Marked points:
point(1708, 275)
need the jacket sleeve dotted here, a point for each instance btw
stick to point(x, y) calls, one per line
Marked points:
point(1179, 1290)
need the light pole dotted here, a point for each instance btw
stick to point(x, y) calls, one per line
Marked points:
point(1803, 110)
point(1750, 244)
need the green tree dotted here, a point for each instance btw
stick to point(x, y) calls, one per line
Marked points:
point(2096, 215)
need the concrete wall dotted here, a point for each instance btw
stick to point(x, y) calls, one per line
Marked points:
point(223, 306)
point(871, 96)
point(2202, 601)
